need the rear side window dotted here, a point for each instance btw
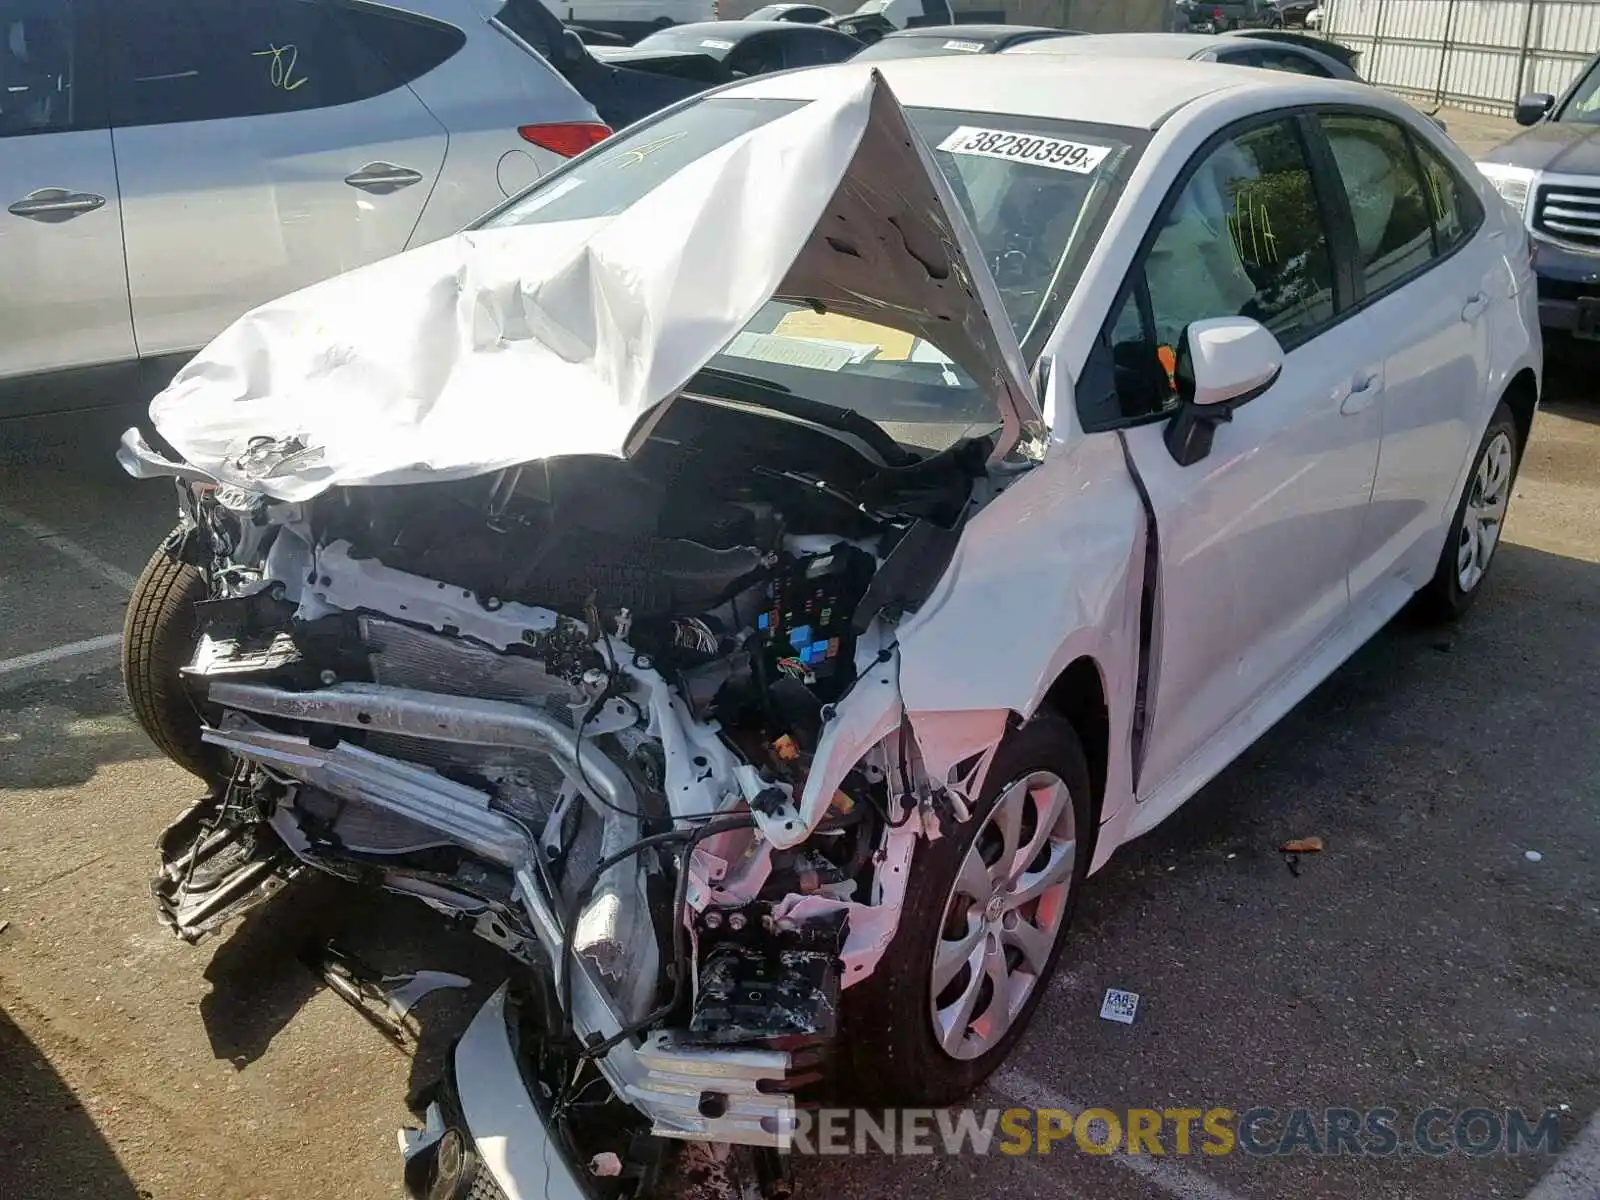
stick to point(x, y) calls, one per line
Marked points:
point(531, 21)
point(46, 85)
point(1456, 211)
point(1382, 178)
point(1296, 64)
point(186, 60)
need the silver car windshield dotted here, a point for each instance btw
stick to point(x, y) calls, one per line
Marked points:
point(1035, 222)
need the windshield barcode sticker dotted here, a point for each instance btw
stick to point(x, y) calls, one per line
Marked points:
point(964, 47)
point(1035, 149)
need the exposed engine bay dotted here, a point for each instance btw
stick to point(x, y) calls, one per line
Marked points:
point(599, 710)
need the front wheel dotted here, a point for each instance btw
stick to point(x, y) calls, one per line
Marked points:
point(159, 636)
point(1480, 517)
point(983, 923)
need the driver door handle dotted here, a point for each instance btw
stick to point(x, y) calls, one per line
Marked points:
point(1474, 307)
point(1363, 391)
point(381, 178)
point(52, 205)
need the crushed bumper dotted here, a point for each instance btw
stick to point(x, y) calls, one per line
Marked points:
point(487, 1139)
point(516, 1151)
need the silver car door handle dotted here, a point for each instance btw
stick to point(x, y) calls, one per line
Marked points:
point(1474, 307)
point(382, 178)
point(1363, 391)
point(53, 205)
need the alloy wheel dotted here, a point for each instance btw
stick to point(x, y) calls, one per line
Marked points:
point(1484, 513)
point(1003, 915)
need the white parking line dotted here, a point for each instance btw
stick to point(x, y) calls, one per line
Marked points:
point(1163, 1174)
point(71, 650)
point(1576, 1175)
point(84, 558)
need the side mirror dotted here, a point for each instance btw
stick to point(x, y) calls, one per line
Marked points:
point(1532, 109)
point(1224, 362)
point(572, 48)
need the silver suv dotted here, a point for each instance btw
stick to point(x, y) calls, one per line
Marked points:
point(167, 165)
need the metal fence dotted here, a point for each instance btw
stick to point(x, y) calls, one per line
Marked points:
point(1475, 54)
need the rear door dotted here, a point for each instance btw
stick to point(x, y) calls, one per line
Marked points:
point(1426, 287)
point(63, 289)
point(263, 145)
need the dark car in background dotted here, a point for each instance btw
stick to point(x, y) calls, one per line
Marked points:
point(713, 52)
point(619, 94)
point(956, 39)
point(1550, 173)
point(876, 19)
point(1271, 50)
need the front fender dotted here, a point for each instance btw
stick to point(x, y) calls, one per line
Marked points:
point(1049, 572)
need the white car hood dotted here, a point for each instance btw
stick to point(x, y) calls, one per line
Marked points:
point(505, 345)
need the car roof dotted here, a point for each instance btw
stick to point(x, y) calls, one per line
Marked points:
point(1098, 89)
point(1126, 45)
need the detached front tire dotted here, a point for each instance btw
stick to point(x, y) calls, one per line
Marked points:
point(1478, 523)
point(982, 925)
point(159, 636)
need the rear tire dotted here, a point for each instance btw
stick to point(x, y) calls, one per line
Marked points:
point(909, 1044)
point(159, 636)
point(1478, 523)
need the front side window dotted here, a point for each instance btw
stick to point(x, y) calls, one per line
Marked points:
point(1036, 192)
point(39, 71)
point(186, 60)
point(1245, 238)
point(1393, 227)
point(1584, 104)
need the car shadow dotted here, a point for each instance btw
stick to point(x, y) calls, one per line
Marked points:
point(262, 975)
point(49, 1144)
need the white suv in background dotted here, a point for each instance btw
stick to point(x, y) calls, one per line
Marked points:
point(167, 165)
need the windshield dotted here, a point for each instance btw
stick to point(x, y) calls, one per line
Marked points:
point(1036, 191)
point(917, 47)
point(1584, 104)
point(688, 40)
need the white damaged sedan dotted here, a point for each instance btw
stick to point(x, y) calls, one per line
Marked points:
point(757, 575)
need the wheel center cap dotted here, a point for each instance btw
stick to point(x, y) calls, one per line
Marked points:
point(993, 910)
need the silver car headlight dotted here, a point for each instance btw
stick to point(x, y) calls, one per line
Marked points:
point(1513, 183)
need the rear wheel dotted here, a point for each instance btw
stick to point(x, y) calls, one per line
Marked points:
point(981, 928)
point(1475, 532)
point(159, 636)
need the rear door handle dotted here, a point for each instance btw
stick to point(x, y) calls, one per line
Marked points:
point(1474, 307)
point(1363, 391)
point(381, 178)
point(53, 205)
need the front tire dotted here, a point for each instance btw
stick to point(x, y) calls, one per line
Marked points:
point(1478, 523)
point(983, 923)
point(159, 635)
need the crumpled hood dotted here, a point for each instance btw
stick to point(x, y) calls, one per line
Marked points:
point(505, 345)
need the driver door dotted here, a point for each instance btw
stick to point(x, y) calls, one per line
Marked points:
point(1256, 539)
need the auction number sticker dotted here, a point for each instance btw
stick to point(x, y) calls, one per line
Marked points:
point(1038, 149)
point(964, 47)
